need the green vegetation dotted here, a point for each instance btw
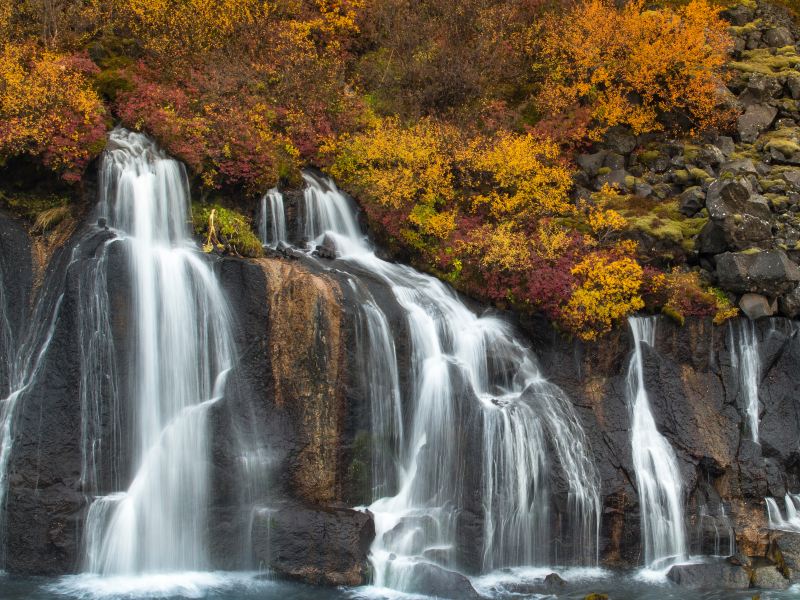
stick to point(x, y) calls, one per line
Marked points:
point(225, 230)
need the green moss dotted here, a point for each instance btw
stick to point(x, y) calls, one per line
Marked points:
point(233, 230)
point(785, 146)
point(698, 174)
point(648, 157)
point(762, 60)
point(596, 596)
point(665, 222)
point(691, 152)
point(772, 184)
point(604, 170)
point(630, 181)
point(751, 251)
point(31, 206)
point(673, 314)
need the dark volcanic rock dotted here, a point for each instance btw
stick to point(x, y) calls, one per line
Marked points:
point(431, 580)
point(710, 576)
point(768, 272)
point(319, 546)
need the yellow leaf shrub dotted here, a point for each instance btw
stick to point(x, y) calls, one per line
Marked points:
point(609, 290)
point(630, 65)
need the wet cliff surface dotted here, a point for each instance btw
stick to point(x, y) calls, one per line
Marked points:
point(299, 385)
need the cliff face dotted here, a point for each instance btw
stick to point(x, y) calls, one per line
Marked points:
point(300, 398)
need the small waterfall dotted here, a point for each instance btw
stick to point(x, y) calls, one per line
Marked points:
point(463, 367)
point(272, 226)
point(776, 519)
point(747, 364)
point(724, 539)
point(181, 353)
point(658, 478)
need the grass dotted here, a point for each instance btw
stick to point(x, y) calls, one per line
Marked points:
point(232, 230)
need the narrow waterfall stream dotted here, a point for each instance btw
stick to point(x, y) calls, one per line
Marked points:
point(181, 354)
point(658, 478)
point(464, 367)
point(272, 224)
point(745, 360)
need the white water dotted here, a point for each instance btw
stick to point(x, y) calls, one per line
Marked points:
point(658, 478)
point(180, 355)
point(465, 369)
point(272, 225)
point(776, 519)
point(747, 364)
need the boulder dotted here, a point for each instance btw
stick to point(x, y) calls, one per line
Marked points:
point(778, 37)
point(754, 120)
point(710, 576)
point(760, 88)
point(769, 578)
point(768, 272)
point(591, 163)
point(614, 161)
point(643, 190)
point(789, 303)
point(326, 249)
point(729, 197)
point(692, 201)
point(756, 306)
point(788, 543)
point(793, 85)
point(712, 239)
point(742, 166)
point(323, 546)
point(616, 179)
point(739, 15)
point(620, 140)
point(432, 580)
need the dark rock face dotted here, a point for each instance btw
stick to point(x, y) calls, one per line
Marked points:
point(324, 547)
point(769, 272)
point(710, 576)
point(431, 580)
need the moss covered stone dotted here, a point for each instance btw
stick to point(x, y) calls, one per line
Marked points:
point(762, 60)
point(226, 230)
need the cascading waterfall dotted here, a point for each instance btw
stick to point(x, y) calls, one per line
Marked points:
point(658, 477)
point(746, 362)
point(462, 366)
point(776, 519)
point(272, 225)
point(181, 353)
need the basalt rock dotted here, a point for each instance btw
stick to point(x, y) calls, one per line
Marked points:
point(768, 272)
point(710, 576)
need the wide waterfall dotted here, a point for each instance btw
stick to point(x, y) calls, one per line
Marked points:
point(746, 362)
point(465, 368)
point(658, 478)
point(180, 355)
point(792, 520)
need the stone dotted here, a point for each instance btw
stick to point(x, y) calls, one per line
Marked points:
point(769, 578)
point(618, 179)
point(793, 85)
point(726, 145)
point(327, 248)
point(710, 576)
point(792, 178)
point(591, 163)
point(729, 197)
point(340, 538)
point(768, 272)
point(760, 88)
point(754, 120)
point(739, 14)
point(614, 161)
point(789, 303)
point(789, 545)
point(432, 580)
point(778, 37)
point(712, 239)
point(643, 190)
point(554, 580)
point(742, 166)
point(756, 306)
point(692, 201)
point(620, 140)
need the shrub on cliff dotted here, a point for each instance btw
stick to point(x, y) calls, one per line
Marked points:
point(634, 66)
point(49, 109)
point(225, 230)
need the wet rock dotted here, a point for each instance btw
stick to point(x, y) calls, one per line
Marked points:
point(769, 578)
point(755, 119)
point(778, 37)
point(710, 576)
point(431, 580)
point(411, 533)
point(554, 580)
point(756, 306)
point(326, 249)
point(692, 201)
point(317, 546)
point(768, 272)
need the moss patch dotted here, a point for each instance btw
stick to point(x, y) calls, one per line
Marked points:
point(762, 60)
point(231, 233)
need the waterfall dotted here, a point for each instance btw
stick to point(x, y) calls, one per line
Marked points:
point(792, 520)
point(746, 362)
point(181, 351)
point(658, 478)
point(464, 369)
point(272, 225)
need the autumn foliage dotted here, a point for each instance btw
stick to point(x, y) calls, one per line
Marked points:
point(637, 67)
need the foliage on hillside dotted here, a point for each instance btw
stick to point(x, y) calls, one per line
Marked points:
point(451, 123)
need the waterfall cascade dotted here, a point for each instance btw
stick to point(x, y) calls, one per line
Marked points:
point(180, 355)
point(658, 477)
point(272, 224)
point(776, 518)
point(462, 366)
point(746, 362)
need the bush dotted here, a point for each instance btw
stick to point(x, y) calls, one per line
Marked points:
point(225, 230)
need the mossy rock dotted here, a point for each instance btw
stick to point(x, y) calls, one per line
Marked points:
point(233, 232)
point(665, 222)
point(604, 170)
point(698, 174)
point(762, 60)
point(648, 157)
point(674, 315)
point(691, 152)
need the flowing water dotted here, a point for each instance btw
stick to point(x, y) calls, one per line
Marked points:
point(746, 362)
point(658, 477)
point(792, 507)
point(272, 225)
point(157, 521)
point(464, 368)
